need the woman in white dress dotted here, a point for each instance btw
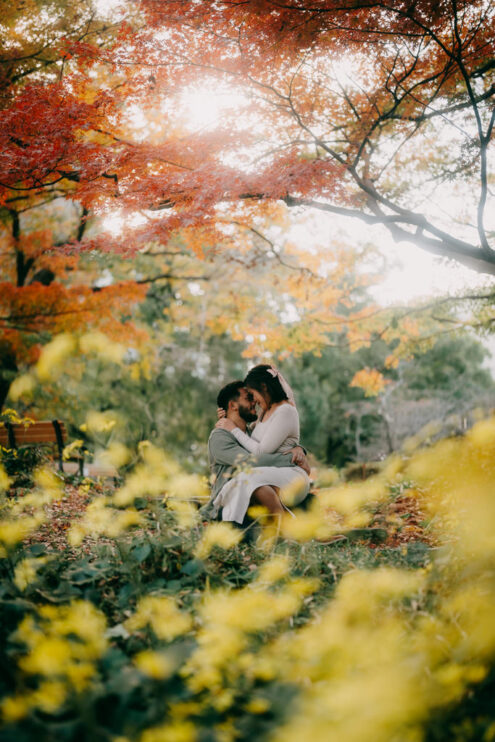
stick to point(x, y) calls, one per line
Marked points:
point(276, 431)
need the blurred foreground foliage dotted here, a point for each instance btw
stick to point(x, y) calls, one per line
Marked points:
point(148, 624)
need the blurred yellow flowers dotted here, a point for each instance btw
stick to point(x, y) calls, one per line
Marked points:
point(162, 615)
point(222, 535)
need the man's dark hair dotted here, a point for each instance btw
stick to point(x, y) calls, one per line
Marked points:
point(228, 393)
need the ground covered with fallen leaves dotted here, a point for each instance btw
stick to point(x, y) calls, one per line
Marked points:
point(126, 616)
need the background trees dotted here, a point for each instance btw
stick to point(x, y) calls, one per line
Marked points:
point(435, 390)
point(377, 111)
point(47, 120)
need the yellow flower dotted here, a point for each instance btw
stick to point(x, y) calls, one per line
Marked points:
point(185, 512)
point(25, 571)
point(141, 482)
point(80, 675)
point(302, 586)
point(223, 700)
point(258, 511)
point(53, 648)
point(100, 519)
point(116, 455)
point(13, 416)
point(71, 448)
point(53, 356)
point(348, 498)
point(304, 527)
point(258, 706)
point(28, 631)
point(274, 569)
point(482, 435)
point(13, 531)
point(85, 621)
point(101, 345)
point(121, 521)
point(155, 664)
point(249, 609)
point(49, 483)
point(158, 460)
point(23, 386)
point(328, 477)
point(356, 520)
point(162, 614)
point(185, 486)
point(180, 731)
point(5, 480)
point(76, 535)
point(222, 535)
point(380, 584)
point(51, 656)
point(185, 709)
point(101, 422)
point(49, 696)
point(14, 708)
point(226, 732)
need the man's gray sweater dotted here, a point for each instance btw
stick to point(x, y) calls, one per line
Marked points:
point(226, 455)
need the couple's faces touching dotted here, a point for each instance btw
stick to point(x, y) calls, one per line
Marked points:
point(247, 405)
point(257, 397)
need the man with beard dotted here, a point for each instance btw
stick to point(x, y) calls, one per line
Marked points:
point(227, 457)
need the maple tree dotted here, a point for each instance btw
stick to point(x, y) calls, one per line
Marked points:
point(325, 107)
point(376, 110)
point(42, 291)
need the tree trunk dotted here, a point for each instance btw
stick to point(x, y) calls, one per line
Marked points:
point(8, 369)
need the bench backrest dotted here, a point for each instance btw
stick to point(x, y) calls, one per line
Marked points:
point(38, 432)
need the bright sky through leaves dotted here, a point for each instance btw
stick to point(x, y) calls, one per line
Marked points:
point(410, 272)
point(229, 140)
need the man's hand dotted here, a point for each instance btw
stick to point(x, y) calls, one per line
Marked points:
point(225, 424)
point(297, 454)
point(299, 458)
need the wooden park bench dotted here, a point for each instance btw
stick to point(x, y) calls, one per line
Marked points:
point(51, 432)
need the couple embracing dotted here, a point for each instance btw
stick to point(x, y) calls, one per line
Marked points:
point(261, 463)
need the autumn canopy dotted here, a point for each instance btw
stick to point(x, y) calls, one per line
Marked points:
point(379, 111)
point(189, 189)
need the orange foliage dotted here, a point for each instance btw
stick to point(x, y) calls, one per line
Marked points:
point(370, 381)
point(326, 107)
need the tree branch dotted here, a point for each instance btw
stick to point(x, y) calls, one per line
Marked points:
point(444, 245)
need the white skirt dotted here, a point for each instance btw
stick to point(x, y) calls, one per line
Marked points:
point(235, 496)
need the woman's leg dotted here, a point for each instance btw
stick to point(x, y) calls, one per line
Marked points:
point(268, 497)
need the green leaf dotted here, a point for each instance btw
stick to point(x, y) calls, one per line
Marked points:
point(82, 575)
point(193, 567)
point(140, 553)
point(118, 631)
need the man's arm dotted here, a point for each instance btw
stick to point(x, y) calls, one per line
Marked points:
point(225, 450)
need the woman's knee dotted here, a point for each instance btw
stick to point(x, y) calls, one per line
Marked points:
point(268, 497)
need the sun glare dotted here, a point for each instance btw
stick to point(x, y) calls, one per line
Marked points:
point(204, 108)
point(116, 221)
point(108, 8)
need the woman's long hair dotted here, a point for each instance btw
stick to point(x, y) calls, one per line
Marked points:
point(262, 379)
